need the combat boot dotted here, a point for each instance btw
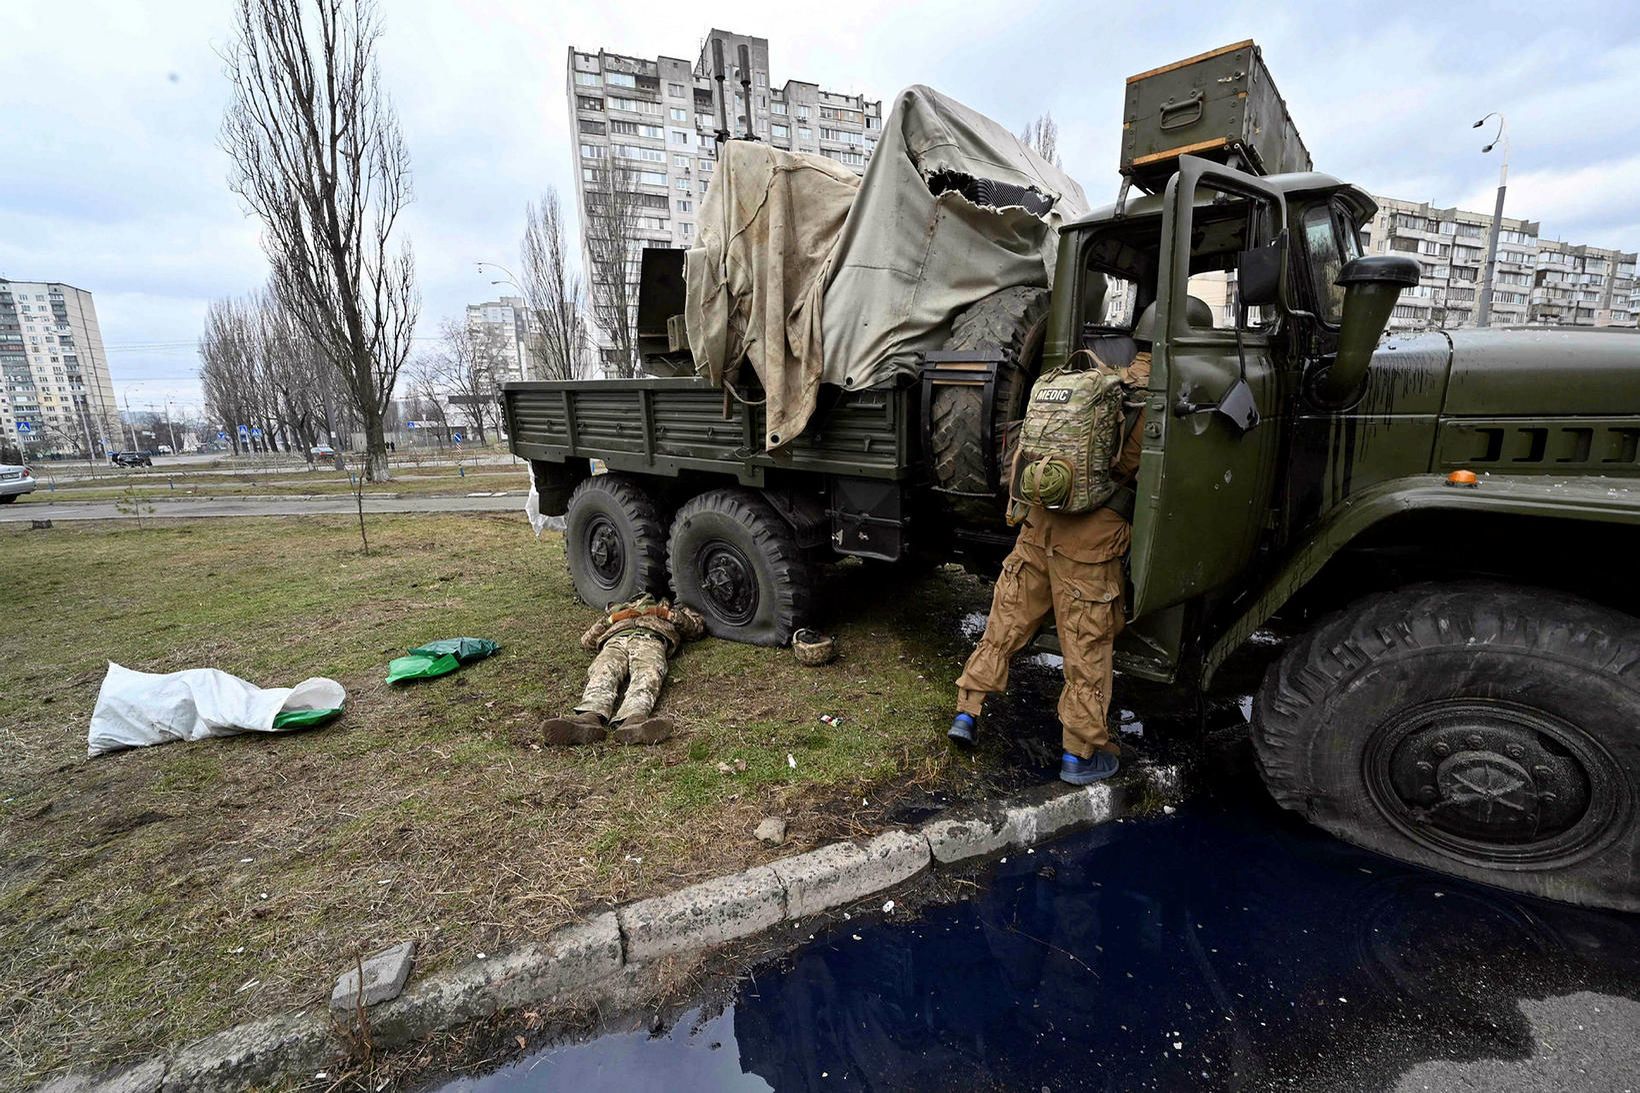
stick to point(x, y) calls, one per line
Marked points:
point(963, 728)
point(651, 730)
point(1080, 772)
point(577, 728)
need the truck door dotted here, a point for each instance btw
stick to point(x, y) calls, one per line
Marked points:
point(1205, 479)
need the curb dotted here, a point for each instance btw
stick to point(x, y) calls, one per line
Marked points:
point(606, 957)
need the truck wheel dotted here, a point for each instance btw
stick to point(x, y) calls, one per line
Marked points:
point(735, 560)
point(1013, 321)
point(614, 541)
point(1483, 730)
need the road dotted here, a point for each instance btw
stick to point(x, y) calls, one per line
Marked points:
point(1227, 946)
point(337, 505)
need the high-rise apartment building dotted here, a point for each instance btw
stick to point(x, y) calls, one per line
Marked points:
point(55, 391)
point(1579, 285)
point(500, 332)
point(1537, 280)
point(655, 123)
point(1450, 247)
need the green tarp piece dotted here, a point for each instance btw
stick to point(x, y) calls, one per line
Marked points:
point(301, 719)
point(438, 658)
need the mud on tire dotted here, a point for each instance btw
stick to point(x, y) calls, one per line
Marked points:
point(736, 561)
point(1012, 320)
point(614, 541)
point(1484, 730)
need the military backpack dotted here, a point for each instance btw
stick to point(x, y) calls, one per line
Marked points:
point(1075, 421)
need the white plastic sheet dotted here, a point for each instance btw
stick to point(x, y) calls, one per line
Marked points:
point(532, 510)
point(136, 709)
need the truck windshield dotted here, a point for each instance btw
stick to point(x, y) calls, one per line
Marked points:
point(1328, 252)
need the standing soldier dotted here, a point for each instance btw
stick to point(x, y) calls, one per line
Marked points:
point(1069, 565)
point(633, 643)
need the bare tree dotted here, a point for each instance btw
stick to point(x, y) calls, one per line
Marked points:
point(319, 157)
point(1042, 137)
point(426, 389)
point(613, 209)
point(464, 369)
point(554, 294)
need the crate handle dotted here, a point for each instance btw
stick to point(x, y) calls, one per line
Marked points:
point(1191, 102)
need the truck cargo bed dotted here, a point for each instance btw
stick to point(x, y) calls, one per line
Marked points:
point(668, 426)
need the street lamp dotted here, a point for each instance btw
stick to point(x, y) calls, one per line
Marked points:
point(1483, 314)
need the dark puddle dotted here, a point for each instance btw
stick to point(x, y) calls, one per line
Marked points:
point(1227, 946)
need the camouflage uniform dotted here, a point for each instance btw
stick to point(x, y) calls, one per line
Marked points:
point(633, 642)
point(1071, 567)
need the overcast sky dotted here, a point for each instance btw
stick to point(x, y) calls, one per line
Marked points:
point(111, 177)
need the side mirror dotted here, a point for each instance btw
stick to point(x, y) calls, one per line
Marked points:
point(1258, 273)
point(1371, 285)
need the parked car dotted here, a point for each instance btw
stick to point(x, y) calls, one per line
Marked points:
point(14, 482)
point(323, 451)
point(130, 459)
point(163, 449)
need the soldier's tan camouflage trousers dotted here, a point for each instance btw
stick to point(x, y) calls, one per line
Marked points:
point(1085, 599)
point(634, 657)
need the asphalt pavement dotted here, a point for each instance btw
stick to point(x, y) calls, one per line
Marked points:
point(335, 505)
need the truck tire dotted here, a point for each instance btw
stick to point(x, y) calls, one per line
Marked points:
point(1013, 321)
point(736, 561)
point(614, 541)
point(1483, 730)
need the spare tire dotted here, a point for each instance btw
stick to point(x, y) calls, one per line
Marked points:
point(1011, 321)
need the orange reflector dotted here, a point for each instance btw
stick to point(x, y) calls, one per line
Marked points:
point(1462, 478)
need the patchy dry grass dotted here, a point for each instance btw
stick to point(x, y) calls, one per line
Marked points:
point(150, 896)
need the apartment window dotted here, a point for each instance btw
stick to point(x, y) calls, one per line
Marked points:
point(841, 136)
point(651, 178)
point(780, 132)
point(874, 123)
point(705, 166)
point(682, 184)
point(827, 114)
point(706, 122)
point(702, 185)
point(587, 102)
point(678, 113)
point(778, 107)
point(620, 79)
point(681, 161)
point(588, 79)
point(805, 133)
point(686, 206)
point(636, 106)
point(762, 79)
point(687, 228)
point(682, 136)
point(633, 151)
point(636, 129)
point(802, 113)
point(848, 159)
point(594, 128)
point(675, 90)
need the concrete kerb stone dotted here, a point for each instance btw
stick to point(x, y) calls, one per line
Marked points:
point(610, 953)
point(571, 959)
point(844, 872)
point(144, 1077)
point(384, 975)
point(253, 1054)
point(703, 915)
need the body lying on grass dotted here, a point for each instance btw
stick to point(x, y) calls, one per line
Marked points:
point(633, 643)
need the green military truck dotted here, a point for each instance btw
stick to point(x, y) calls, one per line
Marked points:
point(1447, 519)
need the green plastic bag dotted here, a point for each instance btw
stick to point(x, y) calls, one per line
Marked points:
point(438, 658)
point(302, 719)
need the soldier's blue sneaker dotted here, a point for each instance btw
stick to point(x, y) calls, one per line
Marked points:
point(1080, 772)
point(962, 730)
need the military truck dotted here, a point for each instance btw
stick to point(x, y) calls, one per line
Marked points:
point(1446, 519)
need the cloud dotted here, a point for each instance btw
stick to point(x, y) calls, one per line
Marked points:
point(113, 179)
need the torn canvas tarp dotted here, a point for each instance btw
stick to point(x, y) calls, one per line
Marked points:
point(770, 220)
point(814, 279)
point(136, 709)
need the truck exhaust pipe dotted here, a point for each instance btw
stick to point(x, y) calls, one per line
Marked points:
point(1371, 285)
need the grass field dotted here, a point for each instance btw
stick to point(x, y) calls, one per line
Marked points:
point(160, 485)
point(150, 896)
